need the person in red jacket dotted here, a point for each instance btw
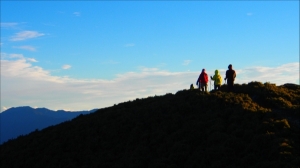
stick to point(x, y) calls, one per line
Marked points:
point(202, 80)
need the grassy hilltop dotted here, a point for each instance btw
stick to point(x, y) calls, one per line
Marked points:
point(256, 126)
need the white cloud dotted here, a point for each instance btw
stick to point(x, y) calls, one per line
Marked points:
point(29, 48)
point(24, 35)
point(186, 62)
point(36, 86)
point(130, 45)
point(18, 56)
point(32, 60)
point(286, 73)
point(77, 13)
point(66, 66)
point(25, 84)
point(145, 69)
point(8, 25)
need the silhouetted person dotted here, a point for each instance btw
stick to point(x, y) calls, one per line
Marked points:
point(230, 76)
point(217, 80)
point(203, 80)
point(192, 87)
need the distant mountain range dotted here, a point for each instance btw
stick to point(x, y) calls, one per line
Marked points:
point(18, 121)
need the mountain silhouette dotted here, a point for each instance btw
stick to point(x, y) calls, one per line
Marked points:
point(257, 125)
point(18, 121)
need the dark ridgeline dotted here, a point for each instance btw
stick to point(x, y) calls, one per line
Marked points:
point(256, 126)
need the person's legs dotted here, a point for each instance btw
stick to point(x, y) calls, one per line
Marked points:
point(230, 86)
point(204, 88)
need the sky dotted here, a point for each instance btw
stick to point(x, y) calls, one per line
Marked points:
point(81, 55)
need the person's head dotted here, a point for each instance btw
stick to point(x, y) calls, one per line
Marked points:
point(216, 72)
point(203, 70)
point(229, 66)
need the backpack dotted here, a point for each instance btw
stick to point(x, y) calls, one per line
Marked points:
point(218, 79)
point(230, 75)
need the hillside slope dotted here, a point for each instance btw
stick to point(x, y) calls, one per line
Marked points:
point(248, 128)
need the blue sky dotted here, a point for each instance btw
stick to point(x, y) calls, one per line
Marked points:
point(80, 55)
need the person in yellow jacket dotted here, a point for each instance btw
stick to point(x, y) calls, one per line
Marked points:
point(218, 80)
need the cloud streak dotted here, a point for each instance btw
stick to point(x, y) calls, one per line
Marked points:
point(24, 35)
point(28, 48)
point(77, 13)
point(286, 73)
point(130, 45)
point(186, 62)
point(31, 60)
point(25, 84)
point(66, 66)
point(8, 25)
